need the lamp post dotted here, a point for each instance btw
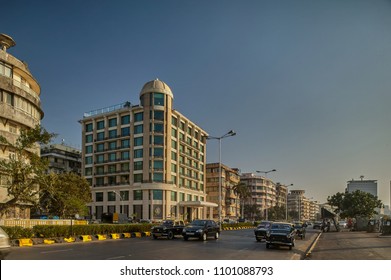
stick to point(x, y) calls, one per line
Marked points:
point(265, 172)
point(228, 134)
point(121, 202)
point(286, 201)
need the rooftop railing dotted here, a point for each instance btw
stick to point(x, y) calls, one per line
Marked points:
point(107, 109)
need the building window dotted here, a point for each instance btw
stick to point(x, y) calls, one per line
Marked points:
point(158, 99)
point(112, 157)
point(157, 195)
point(158, 140)
point(174, 132)
point(99, 196)
point(99, 181)
point(89, 138)
point(112, 168)
point(138, 141)
point(89, 149)
point(100, 125)
point(88, 171)
point(173, 167)
point(100, 158)
point(100, 136)
point(173, 144)
point(138, 129)
point(173, 196)
point(112, 122)
point(113, 133)
point(138, 153)
point(125, 131)
point(112, 145)
point(111, 196)
point(181, 197)
point(125, 119)
point(158, 115)
point(138, 117)
point(174, 121)
point(125, 166)
point(89, 127)
point(158, 152)
point(88, 160)
point(100, 147)
point(173, 155)
point(138, 178)
point(125, 143)
point(138, 165)
point(124, 195)
point(138, 195)
point(158, 127)
point(158, 165)
point(125, 155)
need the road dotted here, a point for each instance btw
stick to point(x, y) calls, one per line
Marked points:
point(232, 245)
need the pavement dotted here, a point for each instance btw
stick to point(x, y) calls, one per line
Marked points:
point(350, 245)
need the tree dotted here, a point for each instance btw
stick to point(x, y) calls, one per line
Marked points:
point(23, 172)
point(243, 192)
point(354, 204)
point(65, 195)
point(277, 213)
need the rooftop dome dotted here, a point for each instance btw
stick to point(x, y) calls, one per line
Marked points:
point(156, 86)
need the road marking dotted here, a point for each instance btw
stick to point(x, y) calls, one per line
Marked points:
point(56, 251)
point(114, 258)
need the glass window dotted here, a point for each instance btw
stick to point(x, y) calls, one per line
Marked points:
point(138, 178)
point(138, 153)
point(173, 144)
point(125, 131)
point(89, 127)
point(173, 132)
point(89, 138)
point(113, 145)
point(138, 195)
point(138, 129)
point(173, 167)
point(158, 140)
point(158, 152)
point(181, 197)
point(138, 165)
point(88, 171)
point(158, 127)
point(113, 133)
point(100, 147)
point(111, 168)
point(100, 136)
point(174, 121)
point(99, 196)
point(158, 164)
point(125, 143)
point(112, 156)
point(125, 166)
point(138, 141)
point(158, 177)
point(112, 122)
point(89, 149)
point(157, 194)
point(124, 195)
point(173, 196)
point(100, 125)
point(125, 155)
point(158, 99)
point(100, 158)
point(138, 117)
point(173, 155)
point(99, 181)
point(158, 115)
point(88, 160)
point(111, 196)
point(125, 119)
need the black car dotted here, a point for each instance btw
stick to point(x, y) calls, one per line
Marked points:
point(261, 231)
point(281, 234)
point(169, 228)
point(201, 229)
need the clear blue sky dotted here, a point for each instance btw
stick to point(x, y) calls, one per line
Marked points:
point(305, 84)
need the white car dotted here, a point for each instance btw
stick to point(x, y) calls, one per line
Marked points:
point(343, 224)
point(5, 246)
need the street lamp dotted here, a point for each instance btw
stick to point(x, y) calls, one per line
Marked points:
point(265, 172)
point(121, 202)
point(286, 201)
point(228, 134)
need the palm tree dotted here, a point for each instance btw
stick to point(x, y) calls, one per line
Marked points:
point(243, 192)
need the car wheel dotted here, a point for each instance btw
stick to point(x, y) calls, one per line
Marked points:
point(170, 235)
point(154, 236)
point(217, 235)
point(290, 247)
point(203, 237)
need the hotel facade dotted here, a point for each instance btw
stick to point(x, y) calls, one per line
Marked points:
point(147, 161)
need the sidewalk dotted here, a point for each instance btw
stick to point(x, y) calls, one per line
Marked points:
point(351, 245)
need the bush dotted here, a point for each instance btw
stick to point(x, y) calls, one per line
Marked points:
point(18, 232)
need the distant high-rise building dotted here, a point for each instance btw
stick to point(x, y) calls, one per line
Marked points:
point(369, 186)
point(20, 108)
point(147, 161)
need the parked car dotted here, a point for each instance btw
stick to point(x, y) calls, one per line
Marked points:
point(343, 224)
point(300, 229)
point(281, 234)
point(317, 225)
point(169, 229)
point(201, 229)
point(5, 246)
point(261, 230)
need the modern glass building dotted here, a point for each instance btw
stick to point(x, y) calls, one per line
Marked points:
point(147, 161)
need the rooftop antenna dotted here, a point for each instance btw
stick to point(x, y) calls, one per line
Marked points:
point(6, 42)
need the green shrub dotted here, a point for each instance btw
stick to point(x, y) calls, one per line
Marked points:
point(18, 232)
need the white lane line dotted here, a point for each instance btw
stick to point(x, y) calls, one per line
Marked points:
point(115, 258)
point(56, 251)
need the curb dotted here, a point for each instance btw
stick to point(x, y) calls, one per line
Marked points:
point(309, 251)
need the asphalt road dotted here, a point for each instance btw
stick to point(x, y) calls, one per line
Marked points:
point(232, 245)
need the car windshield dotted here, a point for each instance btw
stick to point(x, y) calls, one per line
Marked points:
point(264, 225)
point(281, 227)
point(297, 225)
point(198, 223)
point(168, 223)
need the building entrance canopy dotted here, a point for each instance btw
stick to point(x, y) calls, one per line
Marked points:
point(197, 204)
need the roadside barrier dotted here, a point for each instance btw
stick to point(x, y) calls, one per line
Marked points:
point(70, 239)
point(101, 236)
point(147, 233)
point(126, 235)
point(137, 234)
point(86, 238)
point(48, 241)
point(115, 236)
point(25, 242)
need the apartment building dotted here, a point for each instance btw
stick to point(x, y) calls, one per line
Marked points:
point(62, 158)
point(230, 202)
point(146, 160)
point(20, 108)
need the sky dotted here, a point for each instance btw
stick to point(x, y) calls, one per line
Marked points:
point(305, 84)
